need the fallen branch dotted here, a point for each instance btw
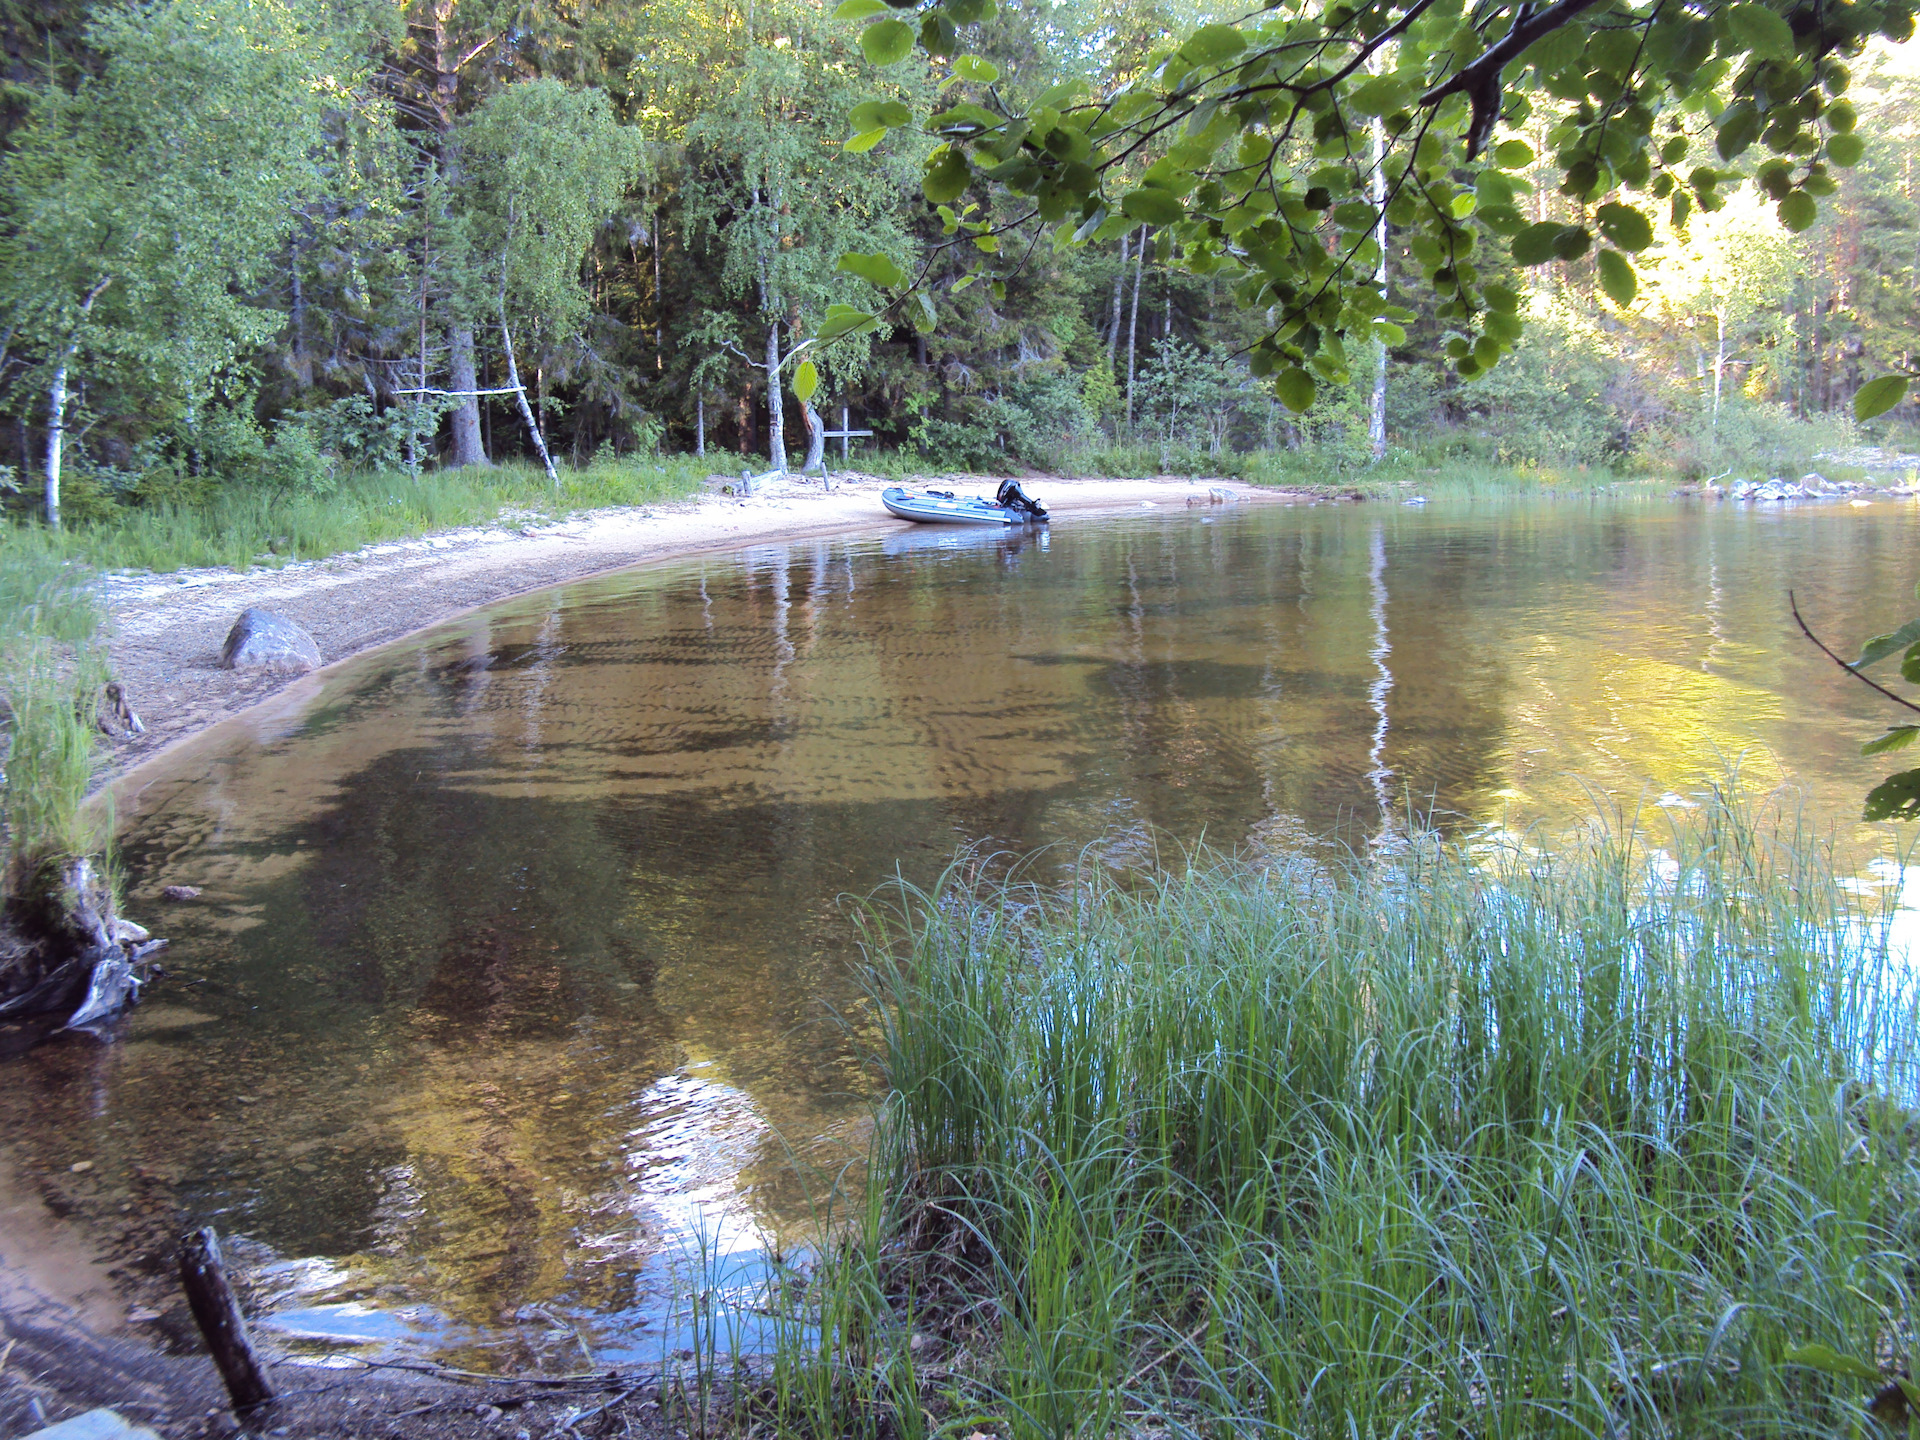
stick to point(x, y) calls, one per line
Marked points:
point(203, 1275)
point(1794, 606)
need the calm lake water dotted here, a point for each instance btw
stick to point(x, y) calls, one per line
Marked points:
point(521, 943)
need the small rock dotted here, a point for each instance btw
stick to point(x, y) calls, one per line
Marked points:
point(95, 1425)
point(141, 1315)
point(1220, 495)
point(180, 892)
point(264, 640)
point(125, 932)
point(80, 1167)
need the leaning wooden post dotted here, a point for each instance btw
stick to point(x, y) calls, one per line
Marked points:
point(222, 1326)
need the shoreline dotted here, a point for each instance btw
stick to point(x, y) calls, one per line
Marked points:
point(167, 629)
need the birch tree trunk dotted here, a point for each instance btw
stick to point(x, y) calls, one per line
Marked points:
point(467, 449)
point(57, 411)
point(56, 438)
point(1119, 298)
point(1719, 365)
point(302, 357)
point(776, 424)
point(1133, 322)
point(526, 410)
point(700, 425)
point(1377, 413)
point(816, 441)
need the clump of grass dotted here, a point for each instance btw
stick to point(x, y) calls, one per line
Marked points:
point(240, 525)
point(1582, 1140)
point(51, 668)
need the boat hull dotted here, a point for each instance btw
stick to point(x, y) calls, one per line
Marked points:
point(959, 510)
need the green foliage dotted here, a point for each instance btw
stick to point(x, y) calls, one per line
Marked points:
point(139, 210)
point(1268, 145)
point(1039, 415)
point(548, 164)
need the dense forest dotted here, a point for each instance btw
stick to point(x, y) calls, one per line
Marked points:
point(269, 242)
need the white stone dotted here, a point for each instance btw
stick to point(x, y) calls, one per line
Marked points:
point(95, 1425)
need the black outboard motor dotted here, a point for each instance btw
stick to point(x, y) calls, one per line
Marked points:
point(1013, 497)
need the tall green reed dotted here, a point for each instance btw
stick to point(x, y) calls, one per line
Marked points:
point(52, 665)
point(1576, 1139)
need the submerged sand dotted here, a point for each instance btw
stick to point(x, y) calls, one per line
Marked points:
point(168, 629)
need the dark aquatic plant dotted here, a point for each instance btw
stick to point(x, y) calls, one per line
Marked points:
point(1582, 1139)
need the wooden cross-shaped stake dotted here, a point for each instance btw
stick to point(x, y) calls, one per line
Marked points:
point(844, 434)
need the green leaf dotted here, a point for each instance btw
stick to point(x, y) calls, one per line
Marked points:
point(1379, 95)
point(925, 319)
point(972, 67)
point(1388, 333)
point(876, 269)
point(1881, 646)
point(1739, 124)
point(887, 42)
point(842, 320)
point(1625, 227)
point(1212, 44)
point(869, 113)
point(1825, 1357)
point(1295, 389)
point(1534, 245)
point(1572, 242)
point(860, 144)
point(1897, 738)
point(1845, 150)
point(947, 175)
point(1617, 278)
point(1152, 206)
point(1059, 97)
point(1756, 28)
point(1878, 396)
point(1513, 155)
point(1895, 798)
point(1798, 211)
point(806, 380)
point(860, 9)
point(1503, 298)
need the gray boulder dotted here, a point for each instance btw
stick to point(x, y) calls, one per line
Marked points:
point(265, 640)
point(95, 1425)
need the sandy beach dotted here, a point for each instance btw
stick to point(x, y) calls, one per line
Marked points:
point(168, 629)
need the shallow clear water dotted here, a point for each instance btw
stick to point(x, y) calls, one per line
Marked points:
point(521, 943)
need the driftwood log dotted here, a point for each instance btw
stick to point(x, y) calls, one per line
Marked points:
point(203, 1275)
point(66, 950)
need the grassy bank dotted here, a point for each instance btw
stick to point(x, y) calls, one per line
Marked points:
point(1582, 1141)
point(52, 665)
point(240, 525)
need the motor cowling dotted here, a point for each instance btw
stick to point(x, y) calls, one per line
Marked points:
point(1012, 497)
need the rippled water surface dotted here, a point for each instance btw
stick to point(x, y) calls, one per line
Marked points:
point(520, 943)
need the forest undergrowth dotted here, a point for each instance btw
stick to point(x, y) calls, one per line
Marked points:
point(1609, 1135)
